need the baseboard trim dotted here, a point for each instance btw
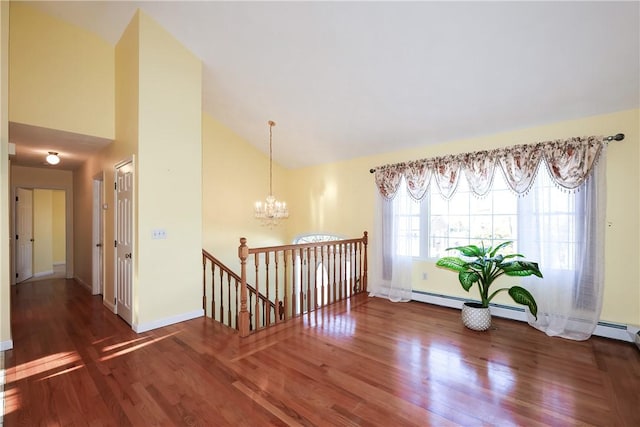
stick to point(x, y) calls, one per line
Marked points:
point(611, 330)
point(155, 324)
point(6, 345)
point(109, 305)
point(83, 283)
point(43, 273)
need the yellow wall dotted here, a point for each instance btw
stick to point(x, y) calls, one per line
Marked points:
point(234, 176)
point(158, 124)
point(340, 197)
point(169, 176)
point(52, 179)
point(5, 250)
point(74, 68)
point(42, 232)
point(58, 226)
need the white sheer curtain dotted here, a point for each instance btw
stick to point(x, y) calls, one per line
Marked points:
point(570, 295)
point(392, 273)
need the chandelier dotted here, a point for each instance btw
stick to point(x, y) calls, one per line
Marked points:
point(271, 211)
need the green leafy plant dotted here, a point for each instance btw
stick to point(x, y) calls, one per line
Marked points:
point(484, 265)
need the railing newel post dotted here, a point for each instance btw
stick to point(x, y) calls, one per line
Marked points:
point(243, 254)
point(365, 280)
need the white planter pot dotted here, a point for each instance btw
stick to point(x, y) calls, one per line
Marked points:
point(476, 317)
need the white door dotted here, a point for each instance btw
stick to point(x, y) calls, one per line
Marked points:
point(124, 240)
point(97, 270)
point(24, 234)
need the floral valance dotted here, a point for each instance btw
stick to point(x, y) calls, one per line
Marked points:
point(569, 163)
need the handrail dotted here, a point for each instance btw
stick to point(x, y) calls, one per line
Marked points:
point(232, 276)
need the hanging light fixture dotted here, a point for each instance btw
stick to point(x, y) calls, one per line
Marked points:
point(271, 211)
point(52, 158)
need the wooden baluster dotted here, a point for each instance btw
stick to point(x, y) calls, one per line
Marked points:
point(365, 278)
point(229, 300)
point(285, 291)
point(315, 277)
point(256, 261)
point(237, 305)
point(323, 276)
point(276, 309)
point(308, 264)
point(243, 253)
point(333, 292)
point(336, 296)
point(251, 317)
point(297, 299)
point(221, 296)
point(352, 267)
point(213, 291)
point(356, 285)
point(266, 306)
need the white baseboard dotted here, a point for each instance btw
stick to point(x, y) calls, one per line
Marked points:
point(83, 283)
point(111, 306)
point(155, 324)
point(6, 345)
point(43, 273)
point(614, 331)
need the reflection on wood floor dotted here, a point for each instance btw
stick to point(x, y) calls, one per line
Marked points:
point(365, 362)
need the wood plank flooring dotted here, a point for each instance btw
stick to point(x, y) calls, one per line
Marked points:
point(367, 362)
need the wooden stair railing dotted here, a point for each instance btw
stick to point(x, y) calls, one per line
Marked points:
point(225, 286)
point(298, 278)
point(289, 281)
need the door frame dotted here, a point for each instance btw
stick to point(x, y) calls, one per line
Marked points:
point(17, 227)
point(117, 166)
point(97, 243)
point(68, 214)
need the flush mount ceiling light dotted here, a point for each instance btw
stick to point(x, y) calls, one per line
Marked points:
point(52, 158)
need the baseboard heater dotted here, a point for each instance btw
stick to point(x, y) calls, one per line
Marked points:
point(615, 331)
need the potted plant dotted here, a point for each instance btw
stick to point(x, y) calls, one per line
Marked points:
point(483, 266)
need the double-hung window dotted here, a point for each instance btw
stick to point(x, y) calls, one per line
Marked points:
point(431, 226)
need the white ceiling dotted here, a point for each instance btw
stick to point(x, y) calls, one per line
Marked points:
point(350, 79)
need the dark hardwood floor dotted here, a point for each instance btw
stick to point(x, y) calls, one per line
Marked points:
point(367, 362)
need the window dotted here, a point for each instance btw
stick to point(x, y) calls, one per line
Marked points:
point(435, 224)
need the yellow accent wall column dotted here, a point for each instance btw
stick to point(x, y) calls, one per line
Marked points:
point(169, 179)
point(5, 305)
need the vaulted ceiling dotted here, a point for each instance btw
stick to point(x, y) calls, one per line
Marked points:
point(350, 79)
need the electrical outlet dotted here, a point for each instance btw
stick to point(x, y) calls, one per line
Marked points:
point(424, 275)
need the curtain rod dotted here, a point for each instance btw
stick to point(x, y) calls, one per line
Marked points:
point(616, 137)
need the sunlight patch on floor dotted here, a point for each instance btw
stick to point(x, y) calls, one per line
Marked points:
point(44, 364)
point(136, 347)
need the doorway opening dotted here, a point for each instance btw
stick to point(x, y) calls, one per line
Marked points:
point(41, 234)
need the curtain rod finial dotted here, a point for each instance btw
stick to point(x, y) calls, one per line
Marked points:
point(617, 137)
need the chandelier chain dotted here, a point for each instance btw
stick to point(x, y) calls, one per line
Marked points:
point(271, 125)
